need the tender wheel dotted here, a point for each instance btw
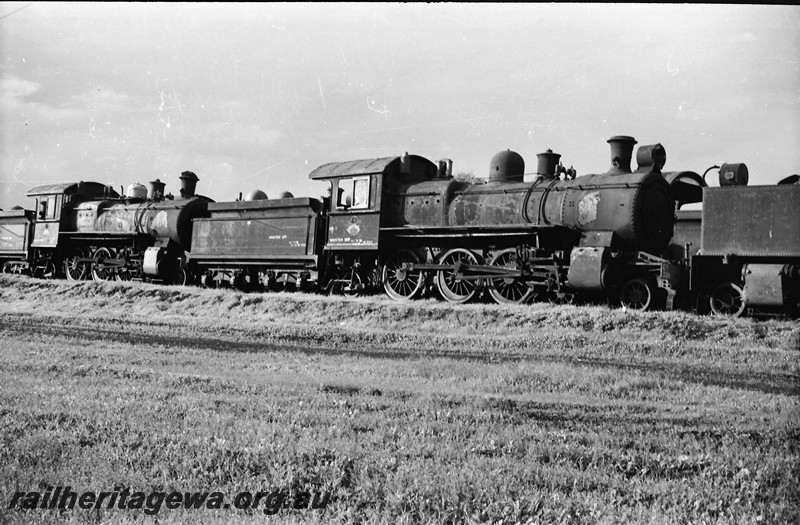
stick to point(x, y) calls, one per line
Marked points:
point(727, 299)
point(637, 294)
point(281, 282)
point(398, 281)
point(243, 281)
point(305, 286)
point(452, 288)
point(73, 268)
point(208, 280)
point(272, 284)
point(101, 271)
point(508, 290)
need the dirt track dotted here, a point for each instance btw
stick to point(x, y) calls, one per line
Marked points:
point(139, 332)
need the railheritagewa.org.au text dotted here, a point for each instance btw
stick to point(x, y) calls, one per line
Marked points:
point(153, 502)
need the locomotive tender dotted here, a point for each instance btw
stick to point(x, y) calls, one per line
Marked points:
point(750, 239)
point(16, 231)
point(406, 225)
point(741, 252)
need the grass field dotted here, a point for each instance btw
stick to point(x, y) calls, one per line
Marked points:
point(417, 412)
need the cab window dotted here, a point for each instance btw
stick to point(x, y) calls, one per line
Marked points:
point(354, 193)
point(47, 207)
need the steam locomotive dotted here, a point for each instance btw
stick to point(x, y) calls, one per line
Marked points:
point(554, 237)
point(406, 225)
point(87, 230)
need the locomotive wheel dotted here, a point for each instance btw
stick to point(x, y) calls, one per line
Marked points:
point(557, 294)
point(73, 269)
point(453, 289)
point(355, 285)
point(49, 271)
point(637, 294)
point(727, 299)
point(100, 272)
point(179, 277)
point(348, 282)
point(123, 273)
point(561, 297)
point(504, 290)
point(398, 281)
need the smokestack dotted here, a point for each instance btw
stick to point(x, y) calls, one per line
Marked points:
point(621, 153)
point(188, 184)
point(547, 164)
point(157, 190)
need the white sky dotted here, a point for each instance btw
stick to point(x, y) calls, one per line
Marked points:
point(258, 95)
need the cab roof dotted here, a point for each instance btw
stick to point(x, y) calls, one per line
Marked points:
point(89, 189)
point(419, 166)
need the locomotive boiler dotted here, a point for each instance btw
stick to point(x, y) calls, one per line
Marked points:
point(631, 209)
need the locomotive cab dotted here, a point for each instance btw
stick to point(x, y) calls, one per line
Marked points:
point(358, 189)
point(354, 229)
point(54, 204)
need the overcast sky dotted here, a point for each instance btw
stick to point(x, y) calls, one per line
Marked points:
point(258, 95)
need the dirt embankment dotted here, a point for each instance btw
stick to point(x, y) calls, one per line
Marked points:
point(154, 303)
point(763, 355)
